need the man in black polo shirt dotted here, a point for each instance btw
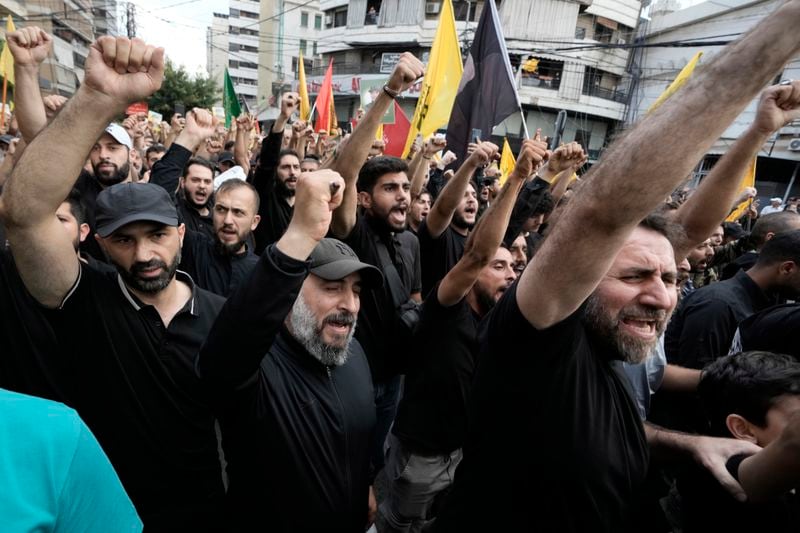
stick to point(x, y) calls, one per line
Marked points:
point(424, 447)
point(132, 368)
point(383, 191)
point(555, 442)
point(275, 178)
point(775, 329)
point(221, 264)
point(297, 394)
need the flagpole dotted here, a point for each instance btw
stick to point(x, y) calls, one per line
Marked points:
point(3, 114)
point(524, 124)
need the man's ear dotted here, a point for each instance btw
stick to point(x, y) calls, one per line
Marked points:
point(365, 200)
point(741, 428)
point(83, 231)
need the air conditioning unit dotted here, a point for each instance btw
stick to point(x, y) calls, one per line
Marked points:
point(794, 145)
point(328, 20)
point(432, 8)
point(621, 41)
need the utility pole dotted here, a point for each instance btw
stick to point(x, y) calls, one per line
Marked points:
point(280, 40)
point(131, 15)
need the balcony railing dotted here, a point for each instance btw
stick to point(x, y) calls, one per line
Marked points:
point(543, 82)
point(607, 94)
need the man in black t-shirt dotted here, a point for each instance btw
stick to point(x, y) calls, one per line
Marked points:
point(133, 377)
point(424, 447)
point(555, 442)
point(379, 238)
point(752, 396)
point(774, 329)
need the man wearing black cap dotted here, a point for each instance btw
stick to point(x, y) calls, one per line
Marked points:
point(225, 162)
point(132, 368)
point(298, 393)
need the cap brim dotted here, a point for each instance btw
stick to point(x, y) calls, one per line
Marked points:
point(371, 277)
point(109, 228)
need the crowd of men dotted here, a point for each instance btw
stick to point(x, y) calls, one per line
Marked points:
point(254, 333)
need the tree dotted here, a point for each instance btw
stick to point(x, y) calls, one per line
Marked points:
point(181, 88)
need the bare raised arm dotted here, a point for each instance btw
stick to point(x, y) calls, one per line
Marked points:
point(487, 235)
point(641, 169)
point(29, 47)
point(118, 71)
point(711, 202)
point(446, 203)
point(354, 154)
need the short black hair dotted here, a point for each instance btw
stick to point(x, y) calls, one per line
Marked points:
point(746, 384)
point(545, 206)
point(155, 148)
point(733, 229)
point(311, 157)
point(287, 151)
point(377, 167)
point(229, 146)
point(198, 161)
point(76, 205)
point(782, 247)
point(775, 223)
point(236, 183)
point(659, 222)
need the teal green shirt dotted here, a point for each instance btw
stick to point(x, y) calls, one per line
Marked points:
point(53, 474)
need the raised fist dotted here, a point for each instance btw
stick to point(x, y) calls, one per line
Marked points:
point(29, 46)
point(317, 195)
point(434, 144)
point(408, 70)
point(53, 104)
point(530, 157)
point(124, 70)
point(245, 122)
point(779, 105)
point(485, 153)
point(289, 104)
point(570, 155)
point(200, 124)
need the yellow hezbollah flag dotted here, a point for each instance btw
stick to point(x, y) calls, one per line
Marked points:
point(507, 162)
point(678, 82)
point(749, 180)
point(302, 89)
point(442, 77)
point(6, 59)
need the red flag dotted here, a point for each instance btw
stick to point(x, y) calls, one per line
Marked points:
point(395, 135)
point(324, 100)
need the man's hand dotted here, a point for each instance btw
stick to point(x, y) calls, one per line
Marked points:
point(377, 148)
point(177, 123)
point(530, 157)
point(53, 104)
point(779, 105)
point(408, 70)
point(568, 156)
point(200, 125)
point(289, 104)
point(372, 509)
point(246, 122)
point(713, 454)
point(485, 153)
point(123, 70)
point(447, 158)
point(29, 46)
point(299, 129)
point(433, 145)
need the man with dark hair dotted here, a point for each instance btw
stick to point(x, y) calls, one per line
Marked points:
point(225, 161)
point(424, 446)
point(187, 179)
point(377, 235)
point(222, 263)
point(774, 329)
point(132, 378)
point(275, 178)
point(555, 442)
point(699, 258)
point(420, 207)
point(743, 253)
point(153, 154)
point(310, 163)
point(750, 396)
point(297, 394)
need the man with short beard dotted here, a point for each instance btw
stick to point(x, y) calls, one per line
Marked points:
point(444, 231)
point(555, 442)
point(424, 446)
point(221, 264)
point(294, 385)
point(275, 178)
point(131, 377)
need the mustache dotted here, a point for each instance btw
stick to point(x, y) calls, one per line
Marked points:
point(640, 312)
point(138, 268)
point(347, 319)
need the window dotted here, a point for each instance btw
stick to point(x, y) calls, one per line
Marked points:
point(583, 137)
point(603, 34)
point(373, 12)
point(303, 19)
point(315, 48)
point(543, 73)
point(317, 22)
point(335, 18)
point(233, 63)
point(303, 46)
point(580, 33)
point(233, 47)
point(234, 12)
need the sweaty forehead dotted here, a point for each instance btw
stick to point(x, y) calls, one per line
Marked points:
point(648, 250)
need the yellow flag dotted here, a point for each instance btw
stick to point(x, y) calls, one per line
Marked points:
point(302, 89)
point(379, 133)
point(333, 122)
point(442, 77)
point(507, 162)
point(6, 59)
point(678, 82)
point(749, 180)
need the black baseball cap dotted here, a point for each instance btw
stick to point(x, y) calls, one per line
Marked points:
point(226, 157)
point(124, 203)
point(333, 260)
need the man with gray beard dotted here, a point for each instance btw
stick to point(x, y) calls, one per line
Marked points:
point(292, 386)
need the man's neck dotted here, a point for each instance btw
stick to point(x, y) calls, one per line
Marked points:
point(472, 302)
point(761, 277)
point(167, 301)
point(461, 231)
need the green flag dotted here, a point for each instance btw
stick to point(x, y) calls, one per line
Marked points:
point(229, 101)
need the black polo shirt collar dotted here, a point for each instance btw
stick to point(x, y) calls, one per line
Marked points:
point(180, 275)
point(758, 296)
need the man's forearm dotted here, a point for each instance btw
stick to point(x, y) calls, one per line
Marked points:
point(488, 233)
point(710, 203)
point(29, 108)
point(52, 161)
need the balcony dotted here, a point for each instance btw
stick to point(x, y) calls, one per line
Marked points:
point(607, 94)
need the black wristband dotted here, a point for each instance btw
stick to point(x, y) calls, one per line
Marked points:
point(391, 93)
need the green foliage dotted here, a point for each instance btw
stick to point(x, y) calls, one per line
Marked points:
point(181, 88)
